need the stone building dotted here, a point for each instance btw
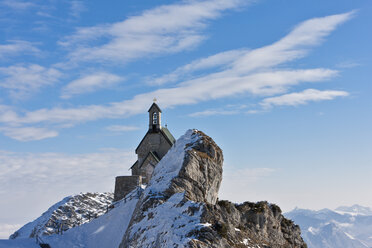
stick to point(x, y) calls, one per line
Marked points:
point(156, 143)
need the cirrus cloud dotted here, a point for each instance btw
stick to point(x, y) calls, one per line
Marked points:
point(246, 72)
point(17, 47)
point(300, 98)
point(28, 133)
point(135, 37)
point(22, 80)
point(90, 83)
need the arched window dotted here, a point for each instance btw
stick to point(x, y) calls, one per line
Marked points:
point(154, 118)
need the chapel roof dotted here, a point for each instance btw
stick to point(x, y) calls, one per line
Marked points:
point(165, 132)
point(154, 105)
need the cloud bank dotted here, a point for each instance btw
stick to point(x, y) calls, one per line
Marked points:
point(162, 30)
point(237, 72)
point(90, 83)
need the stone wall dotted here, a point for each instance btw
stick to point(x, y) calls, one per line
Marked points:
point(153, 142)
point(147, 168)
point(124, 185)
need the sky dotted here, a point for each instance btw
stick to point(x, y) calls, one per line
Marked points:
point(283, 87)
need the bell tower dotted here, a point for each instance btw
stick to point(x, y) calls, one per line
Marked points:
point(154, 118)
point(152, 148)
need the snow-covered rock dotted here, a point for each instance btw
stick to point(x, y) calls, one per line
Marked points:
point(178, 208)
point(105, 231)
point(70, 212)
point(344, 227)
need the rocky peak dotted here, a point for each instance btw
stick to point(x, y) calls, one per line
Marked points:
point(200, 175)
point(180, 208)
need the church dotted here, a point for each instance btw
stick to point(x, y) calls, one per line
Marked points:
point(152, 148)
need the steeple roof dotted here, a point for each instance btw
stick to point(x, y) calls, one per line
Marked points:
point(154, 105)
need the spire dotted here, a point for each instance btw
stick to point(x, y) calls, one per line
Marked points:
point(154, 117)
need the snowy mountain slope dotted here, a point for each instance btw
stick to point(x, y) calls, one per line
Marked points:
point(346, 227)
point(354, 210)
point(104, 231)
point(70, 212)
point(18, 243)
point(161, 219)
point(179, 208)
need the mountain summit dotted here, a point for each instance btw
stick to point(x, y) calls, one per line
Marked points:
point(180, 208)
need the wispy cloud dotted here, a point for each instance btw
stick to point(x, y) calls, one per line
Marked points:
point(17, 47)
point(253, 72)
point(213, 61)
point(17, 4)
point(213, 112)
point(231, 109)
point(77, 7)
point(59, 170)
point(21, 80)
point(121, 128)
point(191, 92)
point(28, 133)
point(162, 30)
point(304, 97)
point(348, 64)
point(90, 83)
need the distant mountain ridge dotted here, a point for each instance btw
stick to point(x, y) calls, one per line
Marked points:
point(354, 210)
point(344, 227)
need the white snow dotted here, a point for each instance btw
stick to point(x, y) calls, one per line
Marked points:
point(170, 165)
point(105, 231)
point(351, 237)
point(349, 226)
point(26, 230)
point(79, 209)
point(168, 223)
point(205, 224)
point(354, 210)
point(313, 230)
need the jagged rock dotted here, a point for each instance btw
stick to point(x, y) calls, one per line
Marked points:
point(255, 224)
point(179, 207)
point(72, 211)
point(201, 173)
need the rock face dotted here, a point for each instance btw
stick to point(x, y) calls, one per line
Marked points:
point(72, 211)
point(247, 225)
point(180, 208)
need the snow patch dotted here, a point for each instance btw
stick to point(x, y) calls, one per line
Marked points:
point(168, 223)
point(104, 231)
point(170, 165)
point(351, 237)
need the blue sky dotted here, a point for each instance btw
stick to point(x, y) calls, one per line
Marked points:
point(282, 86)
